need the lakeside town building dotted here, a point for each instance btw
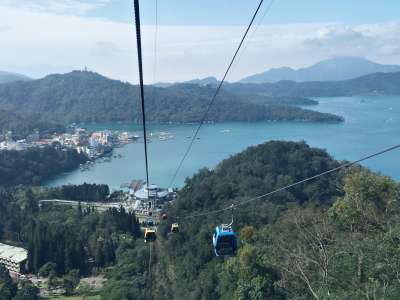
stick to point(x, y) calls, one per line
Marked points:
point(93, 143)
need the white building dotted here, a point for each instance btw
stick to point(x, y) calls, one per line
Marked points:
point(126, 137)
point(13, 258)
point(155, 192)
point(93, 143)
point(20, 145)
point(101, 137)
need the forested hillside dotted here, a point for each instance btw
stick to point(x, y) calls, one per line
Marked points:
point(35, 165)
point(22, 125)
point(333, 238)
point(90, 97)
point(6, 77)
point(63, 239)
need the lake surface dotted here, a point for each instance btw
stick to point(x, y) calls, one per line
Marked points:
point(371, 124)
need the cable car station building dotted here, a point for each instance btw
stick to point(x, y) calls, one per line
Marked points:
point(155, 192)
point(13, 258)
point(147, 196)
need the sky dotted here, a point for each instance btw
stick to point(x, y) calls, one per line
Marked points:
point(195, 38)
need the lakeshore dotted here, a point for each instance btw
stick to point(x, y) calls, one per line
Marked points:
point(371, 123)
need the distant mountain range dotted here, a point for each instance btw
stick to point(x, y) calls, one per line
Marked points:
point(82, 96)
point(6, 77)
point(211, 80)
point(377, 83)
point(335, 69)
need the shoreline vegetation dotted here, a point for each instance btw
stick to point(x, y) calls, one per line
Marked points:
point(35, 165)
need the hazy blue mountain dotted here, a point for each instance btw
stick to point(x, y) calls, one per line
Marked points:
point(377, 83)
point(334, 69)
point(205, 81)
point(163, 84)
point(11, 77)
point(210, 80)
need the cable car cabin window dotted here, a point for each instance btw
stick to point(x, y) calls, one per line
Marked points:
point(226, 245)
point(149, 236)
point(175, 228)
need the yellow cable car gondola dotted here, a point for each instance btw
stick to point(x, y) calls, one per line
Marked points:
point(175, 228)
point(149, 235)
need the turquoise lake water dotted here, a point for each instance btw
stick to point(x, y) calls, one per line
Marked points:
point(371, 124)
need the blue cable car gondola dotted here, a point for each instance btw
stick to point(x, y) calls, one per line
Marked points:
point(224, 240)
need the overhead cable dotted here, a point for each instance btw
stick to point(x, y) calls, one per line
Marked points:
point(210, 104)
point(140, 64)
point(240, 203)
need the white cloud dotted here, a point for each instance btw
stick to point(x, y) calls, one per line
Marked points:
point(36, 42)
point(74, 7)
point(381, 41)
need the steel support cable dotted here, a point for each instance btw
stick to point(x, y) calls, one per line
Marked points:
point(150, 257)
point(215, 94)
point(140, 64)
point(240, 203)
point(153, 202)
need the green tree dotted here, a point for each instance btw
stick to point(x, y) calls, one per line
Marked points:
point(71, 281)
point(47, 268)
point(8, 288)
point(248, 277)
point(368, 197)
point(27, 291)
point(52, 280)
